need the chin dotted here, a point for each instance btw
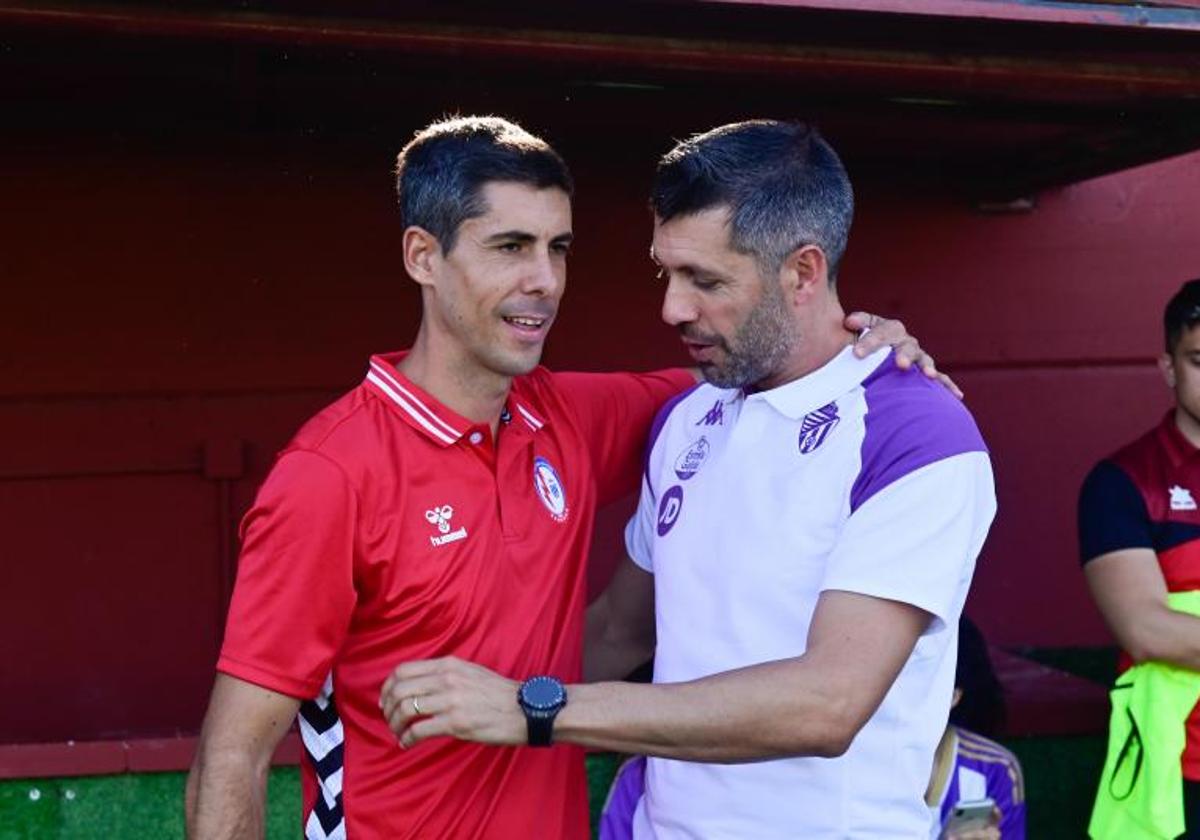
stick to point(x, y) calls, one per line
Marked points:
point(517, 365)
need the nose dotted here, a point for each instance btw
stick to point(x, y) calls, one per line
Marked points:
point(677, 306)
point(544, 276)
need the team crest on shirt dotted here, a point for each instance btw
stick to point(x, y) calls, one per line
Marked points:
point(439, 517)
point(691, 459)
point(816, 426)
point(550, 489)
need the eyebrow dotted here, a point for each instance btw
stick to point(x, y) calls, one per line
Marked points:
point(510, 236)
point(525, 237)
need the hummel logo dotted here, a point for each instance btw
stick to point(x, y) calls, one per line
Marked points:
point(1181, 498)
point(440, 517)
point(714, 417)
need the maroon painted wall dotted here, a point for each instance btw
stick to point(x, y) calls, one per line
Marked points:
point(169, 315)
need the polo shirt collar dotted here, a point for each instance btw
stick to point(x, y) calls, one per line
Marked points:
point(426, 413)
point(825, 384)
point(519, 408)
point(1179, 449)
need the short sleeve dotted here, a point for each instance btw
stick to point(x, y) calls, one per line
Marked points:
point(639, 533)
point(1112, 513)
point(294, 594)
point(916, 540)
point(614, 411)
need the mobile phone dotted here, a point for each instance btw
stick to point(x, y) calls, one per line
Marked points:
point(971, 814)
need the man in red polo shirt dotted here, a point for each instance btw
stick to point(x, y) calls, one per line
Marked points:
point(444, 506)
point(1139, 529)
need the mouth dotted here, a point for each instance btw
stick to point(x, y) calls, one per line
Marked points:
point(528, 326)
point(700, 352)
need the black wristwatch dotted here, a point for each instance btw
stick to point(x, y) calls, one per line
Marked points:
point(541, 698)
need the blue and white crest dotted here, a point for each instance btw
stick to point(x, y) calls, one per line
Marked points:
point(550, 488)
point(816, 426)
point(691, 459)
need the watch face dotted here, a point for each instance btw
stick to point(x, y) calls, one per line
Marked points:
point(543, 693)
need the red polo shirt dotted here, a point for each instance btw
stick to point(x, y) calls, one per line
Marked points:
point(1146, 496)
point(393, 529)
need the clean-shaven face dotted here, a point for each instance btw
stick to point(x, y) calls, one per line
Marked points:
point(1184, 373)
point(734, 322)
point(498, 290)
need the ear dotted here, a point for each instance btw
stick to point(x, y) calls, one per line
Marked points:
point(1167, 365)
point(804, 273)
point(422, 253)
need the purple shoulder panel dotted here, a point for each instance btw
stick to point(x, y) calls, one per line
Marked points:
point(911, 422)
point(660, 420)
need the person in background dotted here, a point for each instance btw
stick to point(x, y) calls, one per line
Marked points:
point(968, 765)
point(1139, 542)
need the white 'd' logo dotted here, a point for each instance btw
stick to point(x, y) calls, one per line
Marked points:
point(440, 517)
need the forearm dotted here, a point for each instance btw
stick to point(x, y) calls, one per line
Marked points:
point(225, 798)
point(609, 653)
point(1162, 635)
point(619, 634)
point(765, 711)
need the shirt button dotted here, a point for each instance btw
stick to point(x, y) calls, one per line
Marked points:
point(475, 438)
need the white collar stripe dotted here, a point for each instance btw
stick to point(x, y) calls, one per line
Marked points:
point(428, 412)
point(533, 422)
point(410, 410)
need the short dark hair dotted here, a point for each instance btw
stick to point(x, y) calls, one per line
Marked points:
point(982, 707)
point(1183, 310)
point(441, 172)
point(785, 187)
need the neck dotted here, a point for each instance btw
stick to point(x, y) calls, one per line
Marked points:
point(1188, 425)
point(818, 341)
point(443, 370)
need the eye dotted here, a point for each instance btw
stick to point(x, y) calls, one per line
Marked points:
point(560, 248)
point(509, 247)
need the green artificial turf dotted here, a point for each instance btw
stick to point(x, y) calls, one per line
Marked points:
point(1060, 780)
point(132, 806)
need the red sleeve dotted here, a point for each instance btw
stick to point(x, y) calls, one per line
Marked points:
point(295, 593)
point(615, 411)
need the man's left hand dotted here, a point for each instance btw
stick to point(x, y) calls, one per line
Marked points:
point(433, 697)
point(884, 332)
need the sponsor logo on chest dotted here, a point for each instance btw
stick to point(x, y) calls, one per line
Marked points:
point(691, 459)
point(1181, 498)
point(669, 509)
point(550, 489)
point(439, 517)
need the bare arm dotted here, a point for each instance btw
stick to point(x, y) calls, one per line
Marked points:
point(1129, 589)
point(226, 788)
point(813, 704)
point(620, 625)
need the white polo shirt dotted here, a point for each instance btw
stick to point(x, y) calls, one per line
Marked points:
point(858, 477)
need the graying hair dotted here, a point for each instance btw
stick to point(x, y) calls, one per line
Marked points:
point(784, 185)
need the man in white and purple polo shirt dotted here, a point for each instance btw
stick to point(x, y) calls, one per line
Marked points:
point(807, 531)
